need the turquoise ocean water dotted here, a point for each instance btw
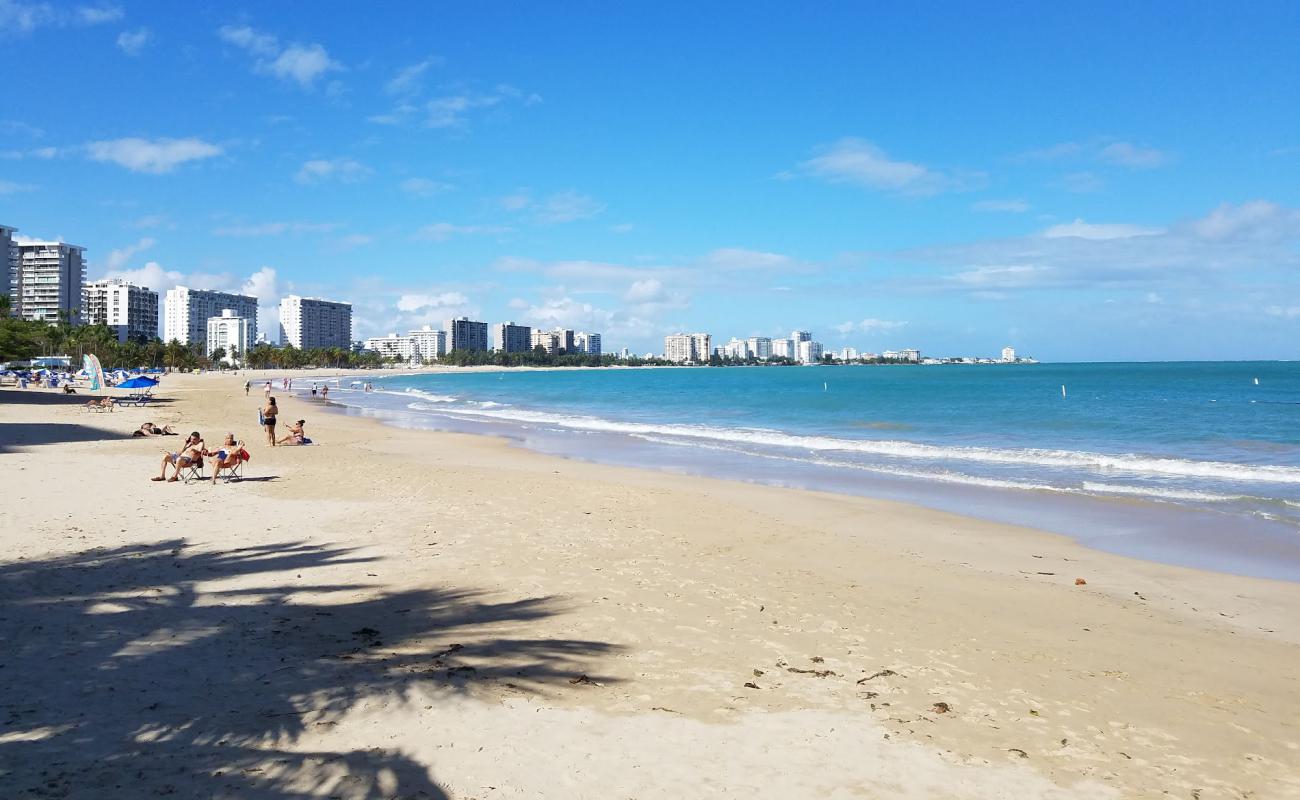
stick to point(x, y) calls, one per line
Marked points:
point(1142, 458)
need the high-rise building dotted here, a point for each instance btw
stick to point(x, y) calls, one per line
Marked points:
point(428, 343)
point(310, 322)
point(187, 311)
point(8, 260)
point(688, 347)
point(910, 354)
point(547, 340)
point(1008, 354)
point(467, 334)
point(588, 343)
point(809, 352)
point(508, 337)
point(229, 333)
point(760, 347)
point(783, 348)
point(800, 336)
point(848, 354)
point(130, 310)
point(737, 349)
point(48, 278)
point(392, 346)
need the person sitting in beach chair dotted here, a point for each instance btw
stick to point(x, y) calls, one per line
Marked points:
point(230, 457)
point(296, 434)
point(189, 457)
point(150, 429)
point(102, 404)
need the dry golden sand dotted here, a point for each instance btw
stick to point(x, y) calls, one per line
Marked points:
point(411, 614)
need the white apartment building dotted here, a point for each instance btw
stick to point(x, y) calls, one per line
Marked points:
point(800, 336)
point(130, 310)
point(428, 343)
point(392, 346)
point(688, 347)
point(809, 352)
point(760, 347)
point(782, 348)
point(848, 354)
point(47, 280)
point(588, 343)
point(910, 354)
point(310, 322)
point(466, 334)
point(8, 260)
point(187, 311)
point(1008, 354)
point(228, 332)
point(737, 349)
point(547, 340)
point(508, 337)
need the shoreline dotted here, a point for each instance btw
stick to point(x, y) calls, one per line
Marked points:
point(668, 594)
point(1120, 524)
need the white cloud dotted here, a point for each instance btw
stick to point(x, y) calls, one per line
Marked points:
point(649, 290)
point(870, 326)
point(1231, 246)
point(345, 170)
point(296, 63)
point(1083, 230)
point(98, 15)
point(154, 156)
point(1008, 206)
point(443, 231)
point(152, 274)
point(10, 187)
point(27, 17)
point(425, 187)
point(303, 64)
point(132, 42)
point(1126, 154)
point(450, 111)
point(408, 80)
point(263, 284)
point(275, 228)
point(118, 258)
point(739, 259)
point(860, 162)
point(444, 111)
point(517, 201)
point(431, 302)
point(355, 240)
point(18, 127)
point(259, 44)
point(566, 207)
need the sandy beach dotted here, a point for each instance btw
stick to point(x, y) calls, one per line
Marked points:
point(395, 613)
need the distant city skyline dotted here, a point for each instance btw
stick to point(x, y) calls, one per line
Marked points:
point(887, 177)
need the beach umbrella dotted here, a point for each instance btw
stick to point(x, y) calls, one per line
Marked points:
point(138, 383)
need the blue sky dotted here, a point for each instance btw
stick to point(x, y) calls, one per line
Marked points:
point(1082, 182)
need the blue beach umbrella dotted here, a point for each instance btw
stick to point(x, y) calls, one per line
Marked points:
point(138, 383)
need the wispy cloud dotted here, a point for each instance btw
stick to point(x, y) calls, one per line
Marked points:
point(862, 163)
point(1004, 206)
point(870, 326)
point(409, 79)
point(1083, 230)
point(155, 156)
point(444, 231)
point(345, 170)
point(27, 17)
point(132, 42)
point(560, 207)
point(118, 257)
point(10, 187)
point(275, 228)
point(450, 110)
point(1082, 183)
point(1104, 149)
point(425, 187)
point(296, 63)
point(1126, 154)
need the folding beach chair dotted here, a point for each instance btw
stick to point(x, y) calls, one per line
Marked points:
point(236, 472)
point(194, 472)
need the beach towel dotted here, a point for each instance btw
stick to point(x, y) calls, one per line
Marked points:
point(261, 420)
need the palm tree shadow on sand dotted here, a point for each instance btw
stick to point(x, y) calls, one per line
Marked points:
point(156, 670)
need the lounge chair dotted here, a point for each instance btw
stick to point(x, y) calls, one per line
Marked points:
point(193, 472)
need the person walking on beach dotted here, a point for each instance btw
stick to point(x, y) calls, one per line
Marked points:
point(325, 392)
point(269, 413)
point(266, 390)
point(247, 385)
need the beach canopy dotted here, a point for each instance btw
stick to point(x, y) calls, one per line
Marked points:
point(138, 383)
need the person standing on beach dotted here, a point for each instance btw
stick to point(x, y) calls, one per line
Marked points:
point(325, 392)
point(269, 413)
point(247, 385)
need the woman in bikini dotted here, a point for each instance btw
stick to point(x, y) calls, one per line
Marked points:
point(190, 453)
point(228, 457)
point(268, 420)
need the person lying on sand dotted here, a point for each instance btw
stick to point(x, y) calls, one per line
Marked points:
point(150, 429)
point(67, 389)
point(228, 457)
point(296, 434)
point(190, 453)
